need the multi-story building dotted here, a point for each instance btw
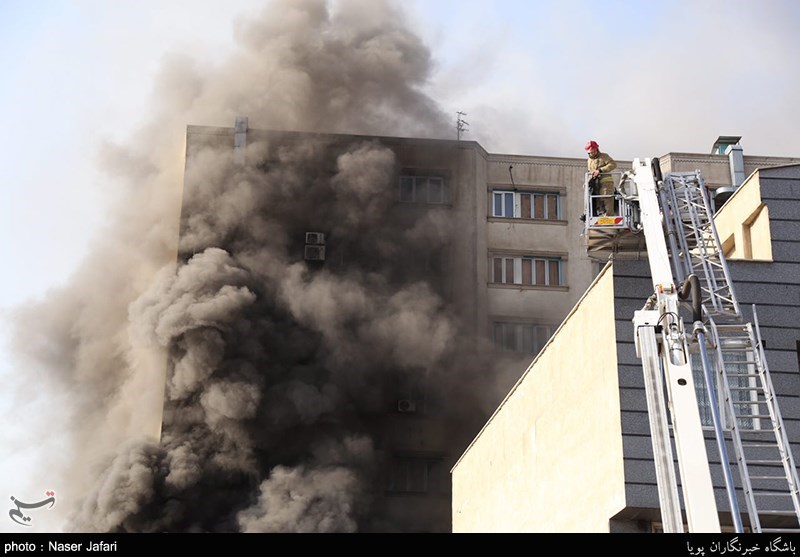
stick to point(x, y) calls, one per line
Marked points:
point(496, 240)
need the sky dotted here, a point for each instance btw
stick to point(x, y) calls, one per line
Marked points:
point(534, 77)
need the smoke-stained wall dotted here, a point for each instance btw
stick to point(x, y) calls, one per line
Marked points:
point(283, 375)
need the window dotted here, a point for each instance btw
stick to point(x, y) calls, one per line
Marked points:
point(527, 271)
point(520, 337)
point(423, 189)
point(737, 385)
point(416, 475)
point(412, 393)
point(526, 205)
point(436, 259)
point(503, 204)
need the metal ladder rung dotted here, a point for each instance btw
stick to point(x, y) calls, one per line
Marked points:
point(777, 513)
point(755, 416)
point(771, 493)
point(779, 530)
point(745, 388)
point(765, 462)
point(768, 478)
point(745, 444)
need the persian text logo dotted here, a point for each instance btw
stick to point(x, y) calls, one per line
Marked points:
point(18, 513)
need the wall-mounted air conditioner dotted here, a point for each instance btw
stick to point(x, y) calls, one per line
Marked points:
point(406, 406)
point(315, 253)
point(315, 238)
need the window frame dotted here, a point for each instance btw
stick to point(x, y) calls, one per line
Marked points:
point(401, 481)
point(703, 404)
point(516, 206)
point(500, 334)
point(517, 263)
point(417, 182)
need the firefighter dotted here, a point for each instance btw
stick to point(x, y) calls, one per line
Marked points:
point(600, 181)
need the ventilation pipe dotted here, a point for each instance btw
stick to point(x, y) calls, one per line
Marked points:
point(729, 145)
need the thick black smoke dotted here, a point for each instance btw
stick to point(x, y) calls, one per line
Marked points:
point(275, 369)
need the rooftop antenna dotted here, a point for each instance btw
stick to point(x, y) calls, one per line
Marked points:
point(461, 124)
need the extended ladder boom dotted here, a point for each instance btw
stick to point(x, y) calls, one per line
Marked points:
point(698, 490)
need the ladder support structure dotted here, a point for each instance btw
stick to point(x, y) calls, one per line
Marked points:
point(678, 224)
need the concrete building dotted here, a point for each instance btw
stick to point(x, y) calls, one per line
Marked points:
point(569, 448)
point(510, 263)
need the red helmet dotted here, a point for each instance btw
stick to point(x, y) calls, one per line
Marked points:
point(592, 145)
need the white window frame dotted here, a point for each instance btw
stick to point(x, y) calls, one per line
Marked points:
point(517, 204)
point(503, 195)
point(517, 269)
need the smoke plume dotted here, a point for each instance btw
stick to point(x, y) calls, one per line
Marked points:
point(275, 368)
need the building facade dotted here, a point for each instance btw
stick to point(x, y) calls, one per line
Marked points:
point(495, 240)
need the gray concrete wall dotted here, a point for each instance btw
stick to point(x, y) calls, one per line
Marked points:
point(559, 238)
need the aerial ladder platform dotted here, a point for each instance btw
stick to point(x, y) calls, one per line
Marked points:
point(668, 220)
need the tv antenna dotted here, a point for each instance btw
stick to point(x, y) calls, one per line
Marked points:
point(461, 124)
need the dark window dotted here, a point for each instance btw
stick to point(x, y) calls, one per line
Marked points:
point(410, 474)
point(520, 337)
point(423, 189)
point(407, 188)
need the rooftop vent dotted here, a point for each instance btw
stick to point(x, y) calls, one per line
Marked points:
point(723, 142)
point(721, 195)
point(729, 145)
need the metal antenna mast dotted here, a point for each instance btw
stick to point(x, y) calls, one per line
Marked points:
point(461, 124)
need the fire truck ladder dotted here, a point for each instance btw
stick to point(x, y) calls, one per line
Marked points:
point(694, 243)
point(769, 479)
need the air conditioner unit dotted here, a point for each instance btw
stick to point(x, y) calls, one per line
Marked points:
point(406, 406)
point(315, 238)
point(315, 253)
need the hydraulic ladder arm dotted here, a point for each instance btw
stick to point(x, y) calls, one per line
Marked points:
point(661, 338)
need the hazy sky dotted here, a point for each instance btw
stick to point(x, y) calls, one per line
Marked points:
point(534, 77)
